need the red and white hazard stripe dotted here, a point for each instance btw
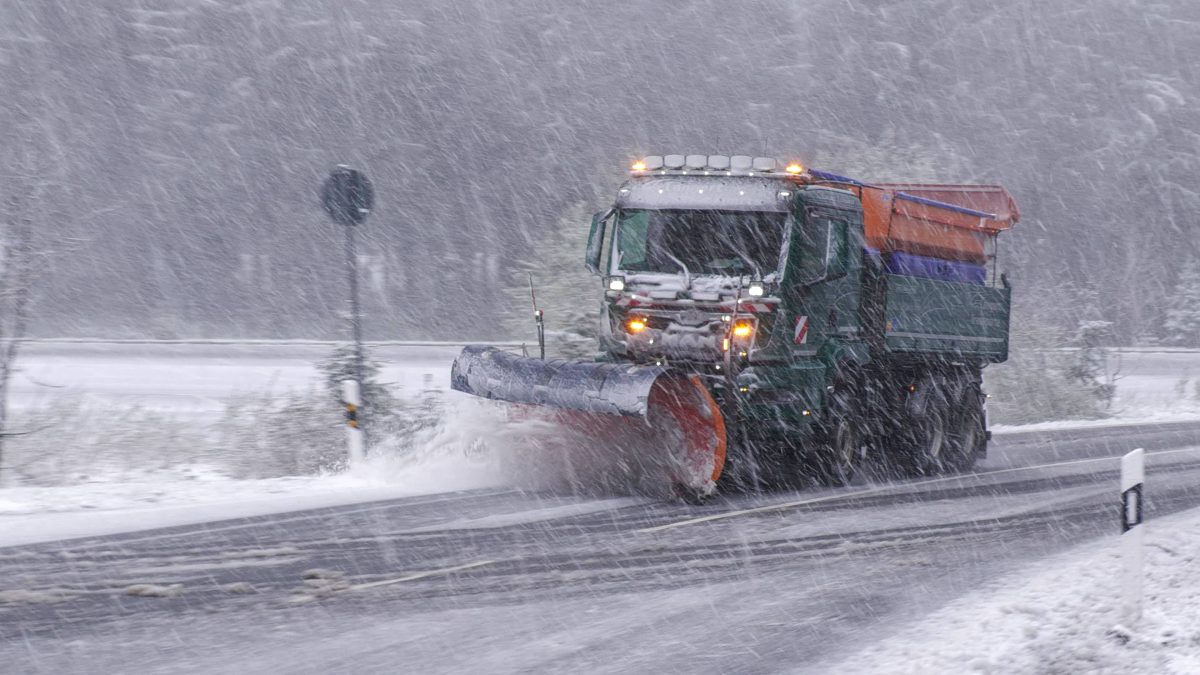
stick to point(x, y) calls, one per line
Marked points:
point(800, 335)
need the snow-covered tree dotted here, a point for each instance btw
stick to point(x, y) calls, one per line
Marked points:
point(16, 279)
point(1092, 367)
point(567, 293)
point(1182, 323)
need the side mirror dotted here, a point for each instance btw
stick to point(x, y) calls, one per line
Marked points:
point(595, 243)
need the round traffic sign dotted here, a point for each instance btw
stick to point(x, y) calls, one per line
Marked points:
point(347, 196)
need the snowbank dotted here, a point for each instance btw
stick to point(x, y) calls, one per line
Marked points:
point(193, 495)
point(1146, 418)
point(1058, 616)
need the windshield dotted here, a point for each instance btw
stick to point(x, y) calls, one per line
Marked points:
point(705, 242)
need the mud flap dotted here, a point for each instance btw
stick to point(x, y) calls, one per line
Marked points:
point(644, 421)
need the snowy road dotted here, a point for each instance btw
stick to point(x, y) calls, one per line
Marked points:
point(503, 581)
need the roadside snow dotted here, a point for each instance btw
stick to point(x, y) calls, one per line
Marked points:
point(1059, 615)
point(1141, 418)
point(196, 495)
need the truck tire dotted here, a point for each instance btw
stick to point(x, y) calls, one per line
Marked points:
point(928, 441)
point(968, 435)
point(928, 420)
point(846, 443)
point(947, 437)
point(845, 453)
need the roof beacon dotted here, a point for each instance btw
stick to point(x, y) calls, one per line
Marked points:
point(764, 163)
point(718, 162)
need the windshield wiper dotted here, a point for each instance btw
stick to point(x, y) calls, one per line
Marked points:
point(746, 259)
point(687, 276)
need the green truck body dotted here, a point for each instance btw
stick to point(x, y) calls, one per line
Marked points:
point(888, 337)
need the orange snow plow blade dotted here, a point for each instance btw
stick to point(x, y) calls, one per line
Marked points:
point(651, 427)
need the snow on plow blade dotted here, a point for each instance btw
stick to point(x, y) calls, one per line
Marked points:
point(645, 421)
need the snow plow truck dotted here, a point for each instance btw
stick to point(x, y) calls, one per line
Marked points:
point(762, 319)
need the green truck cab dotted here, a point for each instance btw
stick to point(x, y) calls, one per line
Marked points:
point(821, 349)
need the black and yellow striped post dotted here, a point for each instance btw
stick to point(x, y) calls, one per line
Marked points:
point(352, 401)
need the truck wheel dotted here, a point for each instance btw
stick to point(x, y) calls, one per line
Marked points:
point(968, 436)
point(929, 443)
point(844, 451)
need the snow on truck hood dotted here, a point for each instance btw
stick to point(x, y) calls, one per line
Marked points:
point(706, 283)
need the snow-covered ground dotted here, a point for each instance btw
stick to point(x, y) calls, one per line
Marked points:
point(198, 379)
point(192, 382)
point(1062, 615)
point(1054, 616)
point(194, 495)
point(1157, 383)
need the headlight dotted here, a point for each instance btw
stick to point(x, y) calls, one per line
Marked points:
point(755, 289)
point(616, 283)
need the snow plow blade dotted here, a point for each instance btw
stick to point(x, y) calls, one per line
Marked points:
point(646, 421)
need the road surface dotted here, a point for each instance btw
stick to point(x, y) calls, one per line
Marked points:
point(508, 581)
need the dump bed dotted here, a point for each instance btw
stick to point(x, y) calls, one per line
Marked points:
point(961, 320)
point(950, 222)
point(934, 241)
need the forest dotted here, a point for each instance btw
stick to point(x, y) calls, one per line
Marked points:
point(160, 162)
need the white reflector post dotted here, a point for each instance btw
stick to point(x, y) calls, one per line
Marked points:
point(1132, 478)
point(352, 400)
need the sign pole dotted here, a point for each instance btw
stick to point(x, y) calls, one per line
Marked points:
point(355, 310)
point(348, 198)
point(1132, 535)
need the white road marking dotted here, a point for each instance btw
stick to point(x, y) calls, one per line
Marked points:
point(421, 575)
point(885, 488)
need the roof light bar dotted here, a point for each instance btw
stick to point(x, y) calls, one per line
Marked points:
point(737, 164)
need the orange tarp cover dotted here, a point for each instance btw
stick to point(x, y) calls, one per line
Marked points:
point(898, 217)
